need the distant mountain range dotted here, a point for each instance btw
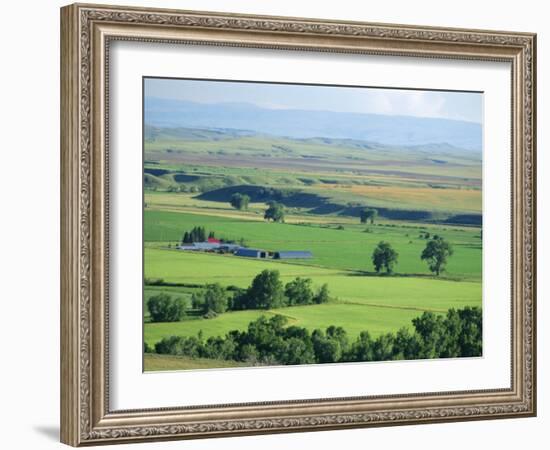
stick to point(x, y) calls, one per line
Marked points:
point(384, 129)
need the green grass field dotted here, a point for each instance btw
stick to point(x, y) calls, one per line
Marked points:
point(283, 156)
point(438, 178)
point(188, 174)
point(376, 304)
point(353, 318)
point(340, 249)
point(198, 268)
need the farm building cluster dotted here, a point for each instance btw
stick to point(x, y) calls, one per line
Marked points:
point(218, 246)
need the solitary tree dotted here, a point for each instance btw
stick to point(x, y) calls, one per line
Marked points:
point(215, 299)
point(436, 253)
point(239, 201)
point(266, 290)
point(275, 212)
point(368, 214)
point(384, 257)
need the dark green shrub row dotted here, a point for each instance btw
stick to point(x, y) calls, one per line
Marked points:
point(270, 341)
point(266, 292)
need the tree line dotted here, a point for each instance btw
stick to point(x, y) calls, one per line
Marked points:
point(266, 291)
point(269, 341)
point(197, 234)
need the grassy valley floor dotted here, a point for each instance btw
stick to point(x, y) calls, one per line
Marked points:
point(190, 176)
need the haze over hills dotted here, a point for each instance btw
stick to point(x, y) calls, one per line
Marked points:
point(405, 131)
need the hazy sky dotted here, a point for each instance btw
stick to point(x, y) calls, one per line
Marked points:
point(448, 105)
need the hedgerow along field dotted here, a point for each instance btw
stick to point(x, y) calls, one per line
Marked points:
point(342, 247)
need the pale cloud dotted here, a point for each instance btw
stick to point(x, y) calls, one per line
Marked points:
point(405, 102)
point(448, 105)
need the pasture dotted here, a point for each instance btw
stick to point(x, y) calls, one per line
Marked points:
point(190, 175)
point(377, 304)
point(354, 318)
point(292, 156)
point(419, 292)
point(347, 249)
point(436, 179)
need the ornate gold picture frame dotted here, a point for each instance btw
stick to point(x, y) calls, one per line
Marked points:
point(87, 32)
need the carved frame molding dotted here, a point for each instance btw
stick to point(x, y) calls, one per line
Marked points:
point(86, 32)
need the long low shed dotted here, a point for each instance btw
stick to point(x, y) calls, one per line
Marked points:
point(251, 253)
point(297, 254)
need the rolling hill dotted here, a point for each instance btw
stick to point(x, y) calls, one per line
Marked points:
point(294, 123)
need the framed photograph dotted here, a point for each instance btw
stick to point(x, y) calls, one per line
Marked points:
point(275, 224)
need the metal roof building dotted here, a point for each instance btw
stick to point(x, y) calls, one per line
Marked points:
point(251, 253)
point(294, 254)
point(187, 247)
point(229, 247)
point(200, 246)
